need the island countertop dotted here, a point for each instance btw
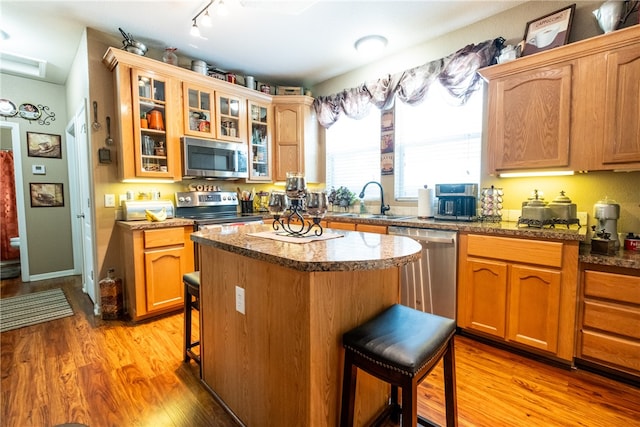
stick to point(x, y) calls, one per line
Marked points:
point(353, 251)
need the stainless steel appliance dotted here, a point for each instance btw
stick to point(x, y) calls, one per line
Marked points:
point(204, 158)
point(457, 202)
point(607, 212)
point(429, 284)
point(211, 209)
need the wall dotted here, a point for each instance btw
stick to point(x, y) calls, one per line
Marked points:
point(585, 189)
point(49, 228)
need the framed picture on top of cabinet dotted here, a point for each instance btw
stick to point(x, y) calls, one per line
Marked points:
point(548, 31)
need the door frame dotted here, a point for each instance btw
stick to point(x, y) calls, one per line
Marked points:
point(78, 167)
point(20, 206)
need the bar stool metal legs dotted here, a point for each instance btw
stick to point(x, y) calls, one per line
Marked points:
point(191, 302)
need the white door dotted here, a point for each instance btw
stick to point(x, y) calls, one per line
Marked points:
point(83, 213)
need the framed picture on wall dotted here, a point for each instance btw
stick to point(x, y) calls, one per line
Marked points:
point(44, 145)
point(46, 195)
point(548, 31)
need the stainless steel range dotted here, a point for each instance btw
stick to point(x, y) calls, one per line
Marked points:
point(211, 209)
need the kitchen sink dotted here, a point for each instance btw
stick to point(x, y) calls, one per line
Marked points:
point(373, 216)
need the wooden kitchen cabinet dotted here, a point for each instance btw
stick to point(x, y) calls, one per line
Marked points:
point(295, 138)
point(622, 107)
point(609, 335)
point(198, 110)
point(148, 148)
point(231, 117)
point(574, 107)
point(352, 226)
point(519, 291)
point(260, 148)
point(529, 119)
point(156, 261)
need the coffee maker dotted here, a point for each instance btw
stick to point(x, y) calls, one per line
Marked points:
point(607, 213)
point(457, 202)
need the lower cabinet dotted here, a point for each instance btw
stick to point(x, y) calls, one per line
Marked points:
point(156, 261)
point(352, 226)
point(609, 333)
point(519, 291)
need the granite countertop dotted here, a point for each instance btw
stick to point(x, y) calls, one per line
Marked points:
point(495, 228)
point(352, 252)
point(622, 258)
point(152, 225)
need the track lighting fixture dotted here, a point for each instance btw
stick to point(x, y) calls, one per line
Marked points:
point(221, 9)
point(195, 31)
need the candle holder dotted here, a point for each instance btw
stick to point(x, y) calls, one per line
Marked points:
point(288, 207)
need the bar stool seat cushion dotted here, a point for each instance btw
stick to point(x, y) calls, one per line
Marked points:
point(192, 278)
point(401, 338)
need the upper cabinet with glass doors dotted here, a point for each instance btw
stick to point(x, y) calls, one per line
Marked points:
point(231, 118)
point(198, 111)
point(259, 141)
point(149, 123)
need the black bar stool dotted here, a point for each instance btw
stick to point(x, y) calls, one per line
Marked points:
point(400, 346)
point(191, 302)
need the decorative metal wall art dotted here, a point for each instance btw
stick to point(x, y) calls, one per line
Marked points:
point(27, 111)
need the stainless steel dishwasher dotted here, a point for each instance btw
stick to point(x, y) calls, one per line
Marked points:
point(429, 284)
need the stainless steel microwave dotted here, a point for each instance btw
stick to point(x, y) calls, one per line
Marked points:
point(205, 158)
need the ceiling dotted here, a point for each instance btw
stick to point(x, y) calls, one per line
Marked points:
point(283, 42)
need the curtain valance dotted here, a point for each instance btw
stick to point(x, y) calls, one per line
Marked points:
point(456, 72)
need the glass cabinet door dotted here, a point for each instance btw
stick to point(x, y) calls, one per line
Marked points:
point(151, 148)
point(259, 142)
point(231, 120)
point(198, 111)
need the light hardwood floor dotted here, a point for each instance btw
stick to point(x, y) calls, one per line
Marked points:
point(82, 369)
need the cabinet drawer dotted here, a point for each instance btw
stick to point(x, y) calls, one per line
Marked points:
point(516, 250)
point(163, 237)
point(612, 318)
point(369, 228)
point(619, 351)
point(617, 287)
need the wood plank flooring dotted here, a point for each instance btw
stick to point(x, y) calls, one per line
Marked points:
point(82, 369)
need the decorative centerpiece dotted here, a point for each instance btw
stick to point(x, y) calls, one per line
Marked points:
point(288, 207)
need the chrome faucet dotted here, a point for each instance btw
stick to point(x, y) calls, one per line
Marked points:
point(383, 207)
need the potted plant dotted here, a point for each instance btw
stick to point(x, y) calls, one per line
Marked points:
point(342, 197)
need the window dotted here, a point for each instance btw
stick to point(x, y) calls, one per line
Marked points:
point(353, 152)
point(437, 142)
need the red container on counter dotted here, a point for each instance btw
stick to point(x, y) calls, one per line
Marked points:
point(632, 243)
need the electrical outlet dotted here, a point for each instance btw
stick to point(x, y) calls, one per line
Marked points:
point(109, 201)
point(240, 299)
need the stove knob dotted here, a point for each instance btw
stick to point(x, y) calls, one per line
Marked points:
point(181, 199)
point(187, 199)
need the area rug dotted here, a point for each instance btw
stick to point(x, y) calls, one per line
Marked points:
point(30, 309)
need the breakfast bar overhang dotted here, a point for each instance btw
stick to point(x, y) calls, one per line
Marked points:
point(280, 362)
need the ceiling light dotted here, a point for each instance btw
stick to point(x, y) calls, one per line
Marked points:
point(206, 19)
point(371, 44)
point(195, 31)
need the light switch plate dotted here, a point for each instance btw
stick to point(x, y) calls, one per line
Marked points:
point(109, 201)
point(240, 299)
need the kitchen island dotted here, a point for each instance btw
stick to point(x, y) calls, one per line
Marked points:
point(273, 314)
